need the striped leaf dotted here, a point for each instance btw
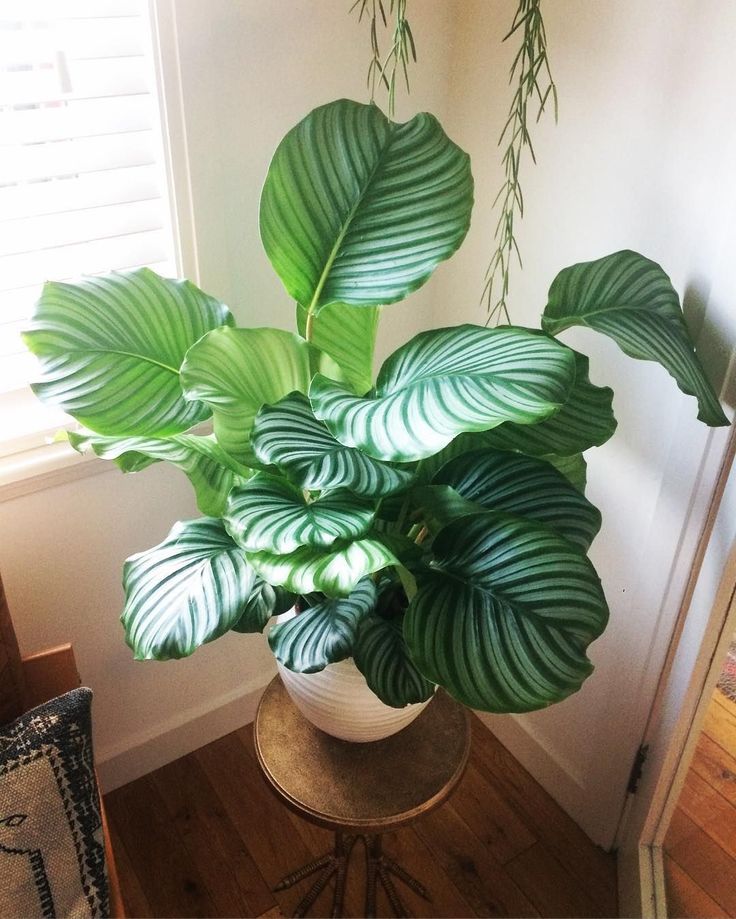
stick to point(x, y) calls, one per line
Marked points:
point(236, 371)
point(336, 571)
point(444, 382)
point(111, 347)
point(381, 656)
point(357, 209)
point(288, 435)
point(574, 468)
point(520, 485)
point(211, 471)
point(504, 620)
point(184, 592)
point(264, 602)
point(323, 634)
point(348, 335)
point(585, 420)
point(632, 300)
point(270, 513)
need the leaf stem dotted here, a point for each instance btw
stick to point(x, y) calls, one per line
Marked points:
point(309, 325)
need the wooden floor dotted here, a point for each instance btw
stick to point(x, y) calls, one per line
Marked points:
point(700, 845)
point(204, 836)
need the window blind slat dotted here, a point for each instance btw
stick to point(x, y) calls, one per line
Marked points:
point(94, 189)
point(81, 39)
point(84, 258)
point(50, 10)
point(52, 231)
point(69, 157)
point(83, 79)
point(77, 118)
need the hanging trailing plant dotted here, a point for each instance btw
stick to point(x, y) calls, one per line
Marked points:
point(534, 86)
point(383, 71)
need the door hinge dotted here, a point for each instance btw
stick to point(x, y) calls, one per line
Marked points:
point(637, 768)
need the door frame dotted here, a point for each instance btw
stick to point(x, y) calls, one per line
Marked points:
point(705, 623)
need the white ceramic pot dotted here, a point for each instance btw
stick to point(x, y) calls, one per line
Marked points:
point(338, 701)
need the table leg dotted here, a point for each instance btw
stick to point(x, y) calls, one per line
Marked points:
point(380, 868)
point(329, 864)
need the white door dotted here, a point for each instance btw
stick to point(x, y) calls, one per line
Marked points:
point(707, 624)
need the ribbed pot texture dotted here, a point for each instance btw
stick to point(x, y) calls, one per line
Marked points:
point(338, 701)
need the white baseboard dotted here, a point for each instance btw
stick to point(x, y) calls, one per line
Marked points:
point(181, 735)
point(555, 776)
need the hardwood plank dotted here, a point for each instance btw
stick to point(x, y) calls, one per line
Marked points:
point(717, 767)
point(685, 899)
point(169, 878)
point(134, 898)
point(708, 865)
point(235, 884)
point(493, 821)
point(407, 848)
point(483, 883)
point(591, 866)
point(720, 722)
point(710, 811)
point(549, 886)
point(262, 822)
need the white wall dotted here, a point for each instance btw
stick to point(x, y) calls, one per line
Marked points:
point(642, 158)
point(249, 71)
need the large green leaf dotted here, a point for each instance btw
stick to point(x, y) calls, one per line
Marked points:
point(323, 634)
point(270, 513)
point(288, 435)
point(236, 371)
point(335, 571)
point(504, 620)
point(585, 420)
point(381, 656)
point(357, 209)
point(444, 382)
point(523, 486)
point(264, 602)
point(186, 591)
point(574, 468)
point(348, 335)
point(111, 348)
point(211, 471)
point(630, 298)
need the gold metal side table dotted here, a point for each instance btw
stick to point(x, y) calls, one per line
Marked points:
point(359, 790)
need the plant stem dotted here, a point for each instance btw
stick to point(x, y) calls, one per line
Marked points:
point(534, 79)
point(408, 581)
point(309, 325)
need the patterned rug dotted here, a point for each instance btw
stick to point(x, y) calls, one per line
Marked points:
point(727, 680)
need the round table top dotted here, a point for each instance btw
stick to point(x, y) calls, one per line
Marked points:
point(365, 787)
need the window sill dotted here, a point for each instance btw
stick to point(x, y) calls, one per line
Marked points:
point(45, 467)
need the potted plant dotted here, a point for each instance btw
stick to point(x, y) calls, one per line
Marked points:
point(430, 526)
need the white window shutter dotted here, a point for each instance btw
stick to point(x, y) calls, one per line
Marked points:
point(83, 187)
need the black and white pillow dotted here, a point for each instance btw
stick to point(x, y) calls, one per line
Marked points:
point(52, 853)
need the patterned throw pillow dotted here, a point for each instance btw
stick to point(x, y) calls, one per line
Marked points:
point(52, 855)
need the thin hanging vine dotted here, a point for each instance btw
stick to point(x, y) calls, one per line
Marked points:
point(385, 71)
point(534, 84)
point(534, 87)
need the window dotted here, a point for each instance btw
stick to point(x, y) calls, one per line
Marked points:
point(83, 183)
